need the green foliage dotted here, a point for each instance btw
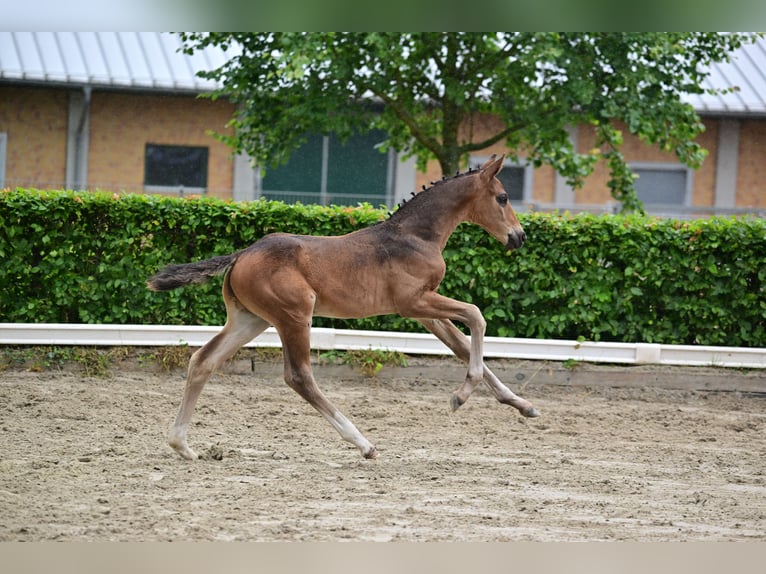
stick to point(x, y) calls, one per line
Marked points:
point(369, 361)
point(619, 278)
point(68, 257)
point(426, 90)
point(84, 257)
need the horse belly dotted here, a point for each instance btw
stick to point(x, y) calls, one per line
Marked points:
point(351, 303)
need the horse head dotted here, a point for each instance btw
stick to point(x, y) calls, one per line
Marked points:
point(491, 208)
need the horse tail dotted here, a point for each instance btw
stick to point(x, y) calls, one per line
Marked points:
point(174, 276)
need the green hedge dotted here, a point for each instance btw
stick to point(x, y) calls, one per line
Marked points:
point(84, 258)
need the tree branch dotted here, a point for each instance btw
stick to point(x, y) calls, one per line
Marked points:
point(476, 146)
point(427, 141)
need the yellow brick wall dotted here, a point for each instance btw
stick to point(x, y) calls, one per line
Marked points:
point(595, 189)
point(121, 125)
point(751, 172)
point(704, 178)
point(35, 121)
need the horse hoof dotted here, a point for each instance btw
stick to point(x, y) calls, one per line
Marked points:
point(455, 403)
point(531, 412)
point(372, 453)
point(185, 452)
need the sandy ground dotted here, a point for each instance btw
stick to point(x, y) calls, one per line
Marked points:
point(85, 458)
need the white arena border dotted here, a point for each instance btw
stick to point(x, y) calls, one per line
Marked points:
point(408, 343)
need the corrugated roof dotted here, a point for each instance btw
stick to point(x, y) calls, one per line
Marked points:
point(147, 60)
point(151, 60)
point(746, 72)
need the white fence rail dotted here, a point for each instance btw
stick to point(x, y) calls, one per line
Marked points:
point(410, 343)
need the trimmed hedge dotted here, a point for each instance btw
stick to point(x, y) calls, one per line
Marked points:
point(84, 258)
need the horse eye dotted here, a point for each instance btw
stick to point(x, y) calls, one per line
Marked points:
point(502, 199)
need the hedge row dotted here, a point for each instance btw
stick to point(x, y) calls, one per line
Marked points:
point(84, 258)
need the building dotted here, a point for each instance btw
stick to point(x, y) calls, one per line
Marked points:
point(119, 111)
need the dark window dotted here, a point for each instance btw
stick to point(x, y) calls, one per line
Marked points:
point(661, 186)
point(357, 170)
point(175, 166)
point(327, 171)
point(512, 178)
point(300, 179)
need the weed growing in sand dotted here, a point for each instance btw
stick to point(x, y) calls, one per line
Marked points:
point(368, 361)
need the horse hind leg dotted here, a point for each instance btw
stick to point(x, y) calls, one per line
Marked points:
point(241, 327)
point(299, 377)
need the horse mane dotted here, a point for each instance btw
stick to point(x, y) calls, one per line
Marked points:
point(418, 199)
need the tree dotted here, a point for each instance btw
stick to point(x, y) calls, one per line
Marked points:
point(426, 89)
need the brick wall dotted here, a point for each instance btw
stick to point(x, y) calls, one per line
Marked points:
point(751, 180)
point(596, 191)
point(751, 175)
point(35, 121)
point(703, 193)
point(122, 124)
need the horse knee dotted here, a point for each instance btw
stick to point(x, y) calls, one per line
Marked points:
point(290, 380)
point(299, 379)
point(302, 382)
point(480, 323)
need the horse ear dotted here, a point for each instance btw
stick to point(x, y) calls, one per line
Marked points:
point(492, 167)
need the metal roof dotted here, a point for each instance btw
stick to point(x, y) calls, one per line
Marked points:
point(151, 60)
point(145, 60)
point(747, 72)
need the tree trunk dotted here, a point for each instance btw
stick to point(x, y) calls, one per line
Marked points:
point(449, 162)
point(449, 158)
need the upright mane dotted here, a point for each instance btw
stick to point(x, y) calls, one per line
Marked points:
point(419, 199)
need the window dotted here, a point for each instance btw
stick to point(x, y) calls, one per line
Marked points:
point(512, 178)
point(662, 184)
point(300, 179)
point(516, 179)
point(358, 171)
point(175, 168)
point(326, 171)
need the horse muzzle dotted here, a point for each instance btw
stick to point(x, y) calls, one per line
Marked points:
point(515, 240)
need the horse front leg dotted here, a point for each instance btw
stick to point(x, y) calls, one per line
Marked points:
point(432, 308)
point(458, 343)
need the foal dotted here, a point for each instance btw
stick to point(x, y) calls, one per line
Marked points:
point(394, 266)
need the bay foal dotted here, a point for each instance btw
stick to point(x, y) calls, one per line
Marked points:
point(394, 266)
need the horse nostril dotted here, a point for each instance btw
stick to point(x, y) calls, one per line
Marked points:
point(516, 240)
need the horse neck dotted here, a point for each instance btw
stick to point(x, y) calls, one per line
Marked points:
point(436, 216)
